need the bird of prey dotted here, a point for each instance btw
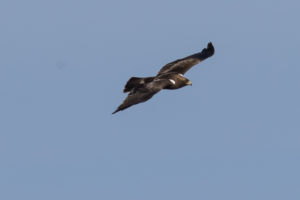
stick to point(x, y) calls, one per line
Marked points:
point(169, 77)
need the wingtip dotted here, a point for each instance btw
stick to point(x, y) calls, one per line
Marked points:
point(115, 111)
point(211, 48)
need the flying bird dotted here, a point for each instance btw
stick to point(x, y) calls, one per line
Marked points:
point(169, 77)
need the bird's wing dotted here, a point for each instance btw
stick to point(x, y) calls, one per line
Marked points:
point(135, 98)
point(181, 66)
point(143, 94)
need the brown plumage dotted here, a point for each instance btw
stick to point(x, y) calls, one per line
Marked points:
point(169, 77)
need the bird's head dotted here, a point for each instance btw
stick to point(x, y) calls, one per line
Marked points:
point(188, 82)
point(183, 80)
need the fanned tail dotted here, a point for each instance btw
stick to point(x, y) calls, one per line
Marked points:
point(136, 82)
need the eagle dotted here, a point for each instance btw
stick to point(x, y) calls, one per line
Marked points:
point(169, 77)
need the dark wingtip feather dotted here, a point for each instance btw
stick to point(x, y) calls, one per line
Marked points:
point(210, 49)
point(116, 111)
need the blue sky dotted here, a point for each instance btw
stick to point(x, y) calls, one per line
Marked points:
point(233, 135)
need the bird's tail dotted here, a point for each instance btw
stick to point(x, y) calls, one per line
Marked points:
point(135, 82)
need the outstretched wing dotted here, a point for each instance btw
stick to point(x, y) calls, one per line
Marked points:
point(142, 94)
point(135, 98)
point(181, 66)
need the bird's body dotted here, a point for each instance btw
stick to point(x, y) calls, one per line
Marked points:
point(169, 77)
point(177, 80)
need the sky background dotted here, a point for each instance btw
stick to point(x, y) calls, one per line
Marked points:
point(235, 134)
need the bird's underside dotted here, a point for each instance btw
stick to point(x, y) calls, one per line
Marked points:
point(169, 77)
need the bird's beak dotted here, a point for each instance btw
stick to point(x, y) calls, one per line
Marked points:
point(189, 83)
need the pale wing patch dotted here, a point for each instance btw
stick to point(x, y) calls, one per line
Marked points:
point(172, 81)
point(181, 75)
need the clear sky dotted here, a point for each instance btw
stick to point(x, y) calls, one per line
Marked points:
point(235, 134)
